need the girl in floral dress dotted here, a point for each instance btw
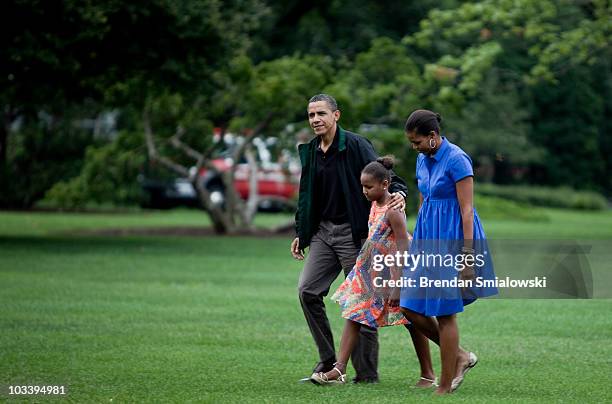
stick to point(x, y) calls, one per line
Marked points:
point(366, 296)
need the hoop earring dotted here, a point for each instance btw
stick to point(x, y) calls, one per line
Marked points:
point(432, 146)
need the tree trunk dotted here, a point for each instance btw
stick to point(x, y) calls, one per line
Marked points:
point(219, 219)
point(7, 119)
point(237, 214)
point(223, 221)
point(253, 199)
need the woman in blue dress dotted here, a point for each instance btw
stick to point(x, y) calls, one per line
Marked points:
point(449, 250)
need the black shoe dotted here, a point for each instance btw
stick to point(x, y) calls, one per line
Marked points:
point(360, 379)
point(324, 366)
point(320, 367)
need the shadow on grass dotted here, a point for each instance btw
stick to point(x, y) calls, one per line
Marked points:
point(151, 245)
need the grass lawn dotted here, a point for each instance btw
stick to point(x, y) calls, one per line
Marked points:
point(175, 319)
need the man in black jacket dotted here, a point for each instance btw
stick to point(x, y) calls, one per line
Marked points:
point(332, 219)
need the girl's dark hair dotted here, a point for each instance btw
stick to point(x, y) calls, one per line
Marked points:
point(423, 121)
point(380, 169)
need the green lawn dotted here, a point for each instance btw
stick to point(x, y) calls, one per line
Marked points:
point(45, 223)
point(175, 319)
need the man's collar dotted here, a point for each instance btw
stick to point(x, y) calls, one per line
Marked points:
point(340, 133)
point(339, 141)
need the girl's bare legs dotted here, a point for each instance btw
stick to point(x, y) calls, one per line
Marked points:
point(350, 336)
point(428, 326)
point(421, 347)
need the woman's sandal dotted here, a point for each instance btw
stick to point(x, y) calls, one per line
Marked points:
point(433, 383)
point(322, 379)
point(472, 361)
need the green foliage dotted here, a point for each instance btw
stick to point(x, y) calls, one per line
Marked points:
point(523, 85)
point(493, 129)
point(585, 43)
point(393, 141)
point(375, 92)
point(279, 90)
point(61, 56)
point(555, 33)
point(535, 75)
point(73, 50)
point(545, 196)
point(109, 175)
point(176, 114)
point(336, 28)
point(570, 121)
point(269, 94)
point(41, 153)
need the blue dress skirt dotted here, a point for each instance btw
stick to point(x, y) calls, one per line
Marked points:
point(436, 288)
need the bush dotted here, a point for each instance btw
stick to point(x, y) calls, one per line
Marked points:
point(563, 197)
point(109, 175)
point(490, 207)
point(38, 157)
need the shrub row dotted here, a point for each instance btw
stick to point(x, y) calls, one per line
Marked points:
point(546, 196)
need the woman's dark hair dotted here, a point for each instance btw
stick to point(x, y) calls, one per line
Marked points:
point(380, 169)
point(423, 121)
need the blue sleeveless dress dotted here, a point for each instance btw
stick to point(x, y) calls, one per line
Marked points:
point(438, 238)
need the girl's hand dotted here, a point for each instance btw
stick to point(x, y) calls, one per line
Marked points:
point(394, 297)
point(397, 201)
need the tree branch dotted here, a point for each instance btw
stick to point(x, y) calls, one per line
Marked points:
point(247, 139)
point(152, 150)
point(178, 144)
point(253, 200)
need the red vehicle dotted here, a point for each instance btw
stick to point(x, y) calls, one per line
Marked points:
point(272, 179)
point(277, 182)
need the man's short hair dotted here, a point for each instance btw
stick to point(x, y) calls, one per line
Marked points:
point(331, 102)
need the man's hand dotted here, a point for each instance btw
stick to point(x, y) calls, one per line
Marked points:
point(397, 201)
point(295, 249)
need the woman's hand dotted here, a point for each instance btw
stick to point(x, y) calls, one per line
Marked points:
point(467, 274)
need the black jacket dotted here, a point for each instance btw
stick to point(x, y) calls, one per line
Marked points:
point(354, 153)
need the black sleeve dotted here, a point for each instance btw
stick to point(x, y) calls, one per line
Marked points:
point(368, 154)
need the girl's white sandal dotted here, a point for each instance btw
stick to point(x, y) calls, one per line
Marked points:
point(322, 379)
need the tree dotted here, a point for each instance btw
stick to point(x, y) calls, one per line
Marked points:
point(538, 48)
point(340, 29)
point(65, 55)
point(262, 97)
point(492, 127)
point(381, 82)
